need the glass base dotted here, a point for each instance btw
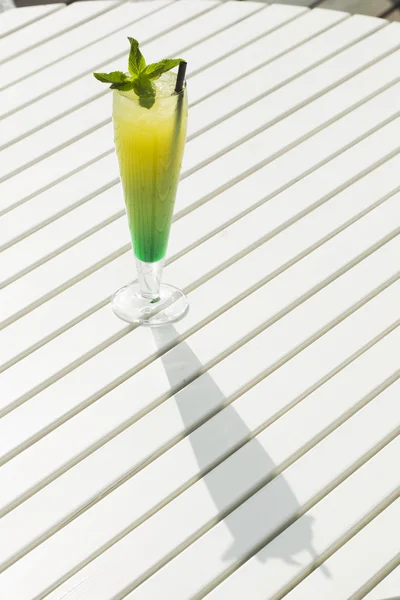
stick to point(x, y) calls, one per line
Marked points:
point(130, 306)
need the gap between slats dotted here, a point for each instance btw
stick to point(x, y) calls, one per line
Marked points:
point(385, 585)
point(67, 210)
point(332, 26)
point(273, 475)
point(290, 112)
point(284, 465)
point(234, 112)
point(190, 209)
point(110, 151)
point(101, 11)
point(232, 146)
point(62, 213)
point(102, 93)
point(320, 496)
point(33, 20)
point(90, 130)
point(209, 275)
point(223, 515)
point(116, 57)
point(261, 164)
point(232, 398)
point(101, 38)
point(118, 214)
point(217, 360)
point(148, 40)
point(53, 183)
point(69, 245)
point(235, 257)
point(377, 579)
point(238, 142)
point(335, 547)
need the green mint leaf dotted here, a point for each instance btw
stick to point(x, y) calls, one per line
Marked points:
point(140, 77)
point(126, 86)
point(114, 77)
point(145, 89)
point(156, 69)
point(136, 62)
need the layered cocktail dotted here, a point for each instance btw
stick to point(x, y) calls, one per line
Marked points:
point(149, 116)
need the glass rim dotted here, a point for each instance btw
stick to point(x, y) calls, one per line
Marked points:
point(162, 97)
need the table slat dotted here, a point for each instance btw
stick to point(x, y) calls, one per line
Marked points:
point(264, 214)
point(62, 233)
point(39, 31)
point(161, 452)
point(315, 532)
point(387, 588)
point(92, 146)
point(206, 182)
point(249, 156)
point(71, 193)
point(347, 164)
point(96, 113)
point(41, 209)
point(66, 305)
point(58, 234)
point(18, 475)
point(340, 396)
point(373, 547)
point(13, 20)
point(128, 13)
point(289, 101)
point(90, 59)
point(373, 47)
point(224, 545)
point(346, 126)
point(84, 90)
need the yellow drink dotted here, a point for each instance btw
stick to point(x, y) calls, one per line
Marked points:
point(149, 145)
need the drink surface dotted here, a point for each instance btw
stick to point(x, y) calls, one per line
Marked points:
point(149, 145)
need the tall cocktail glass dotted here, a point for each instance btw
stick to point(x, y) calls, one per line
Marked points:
point(149, 143)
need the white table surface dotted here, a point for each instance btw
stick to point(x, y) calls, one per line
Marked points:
point(251, 450)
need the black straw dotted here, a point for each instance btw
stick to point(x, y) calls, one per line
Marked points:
point(180, 80)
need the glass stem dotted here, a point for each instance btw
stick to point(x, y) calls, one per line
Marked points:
point(149, 277)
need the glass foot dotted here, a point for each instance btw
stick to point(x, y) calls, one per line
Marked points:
point(130, 306)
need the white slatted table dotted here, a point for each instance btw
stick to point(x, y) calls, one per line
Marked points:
point(251, 450)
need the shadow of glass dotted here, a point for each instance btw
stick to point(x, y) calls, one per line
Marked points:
point(250, 466)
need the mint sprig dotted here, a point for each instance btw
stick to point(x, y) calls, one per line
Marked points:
point(114, 77)
point(141, 76)
point(145, 89)
point(155, 70)
point(136, 62)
